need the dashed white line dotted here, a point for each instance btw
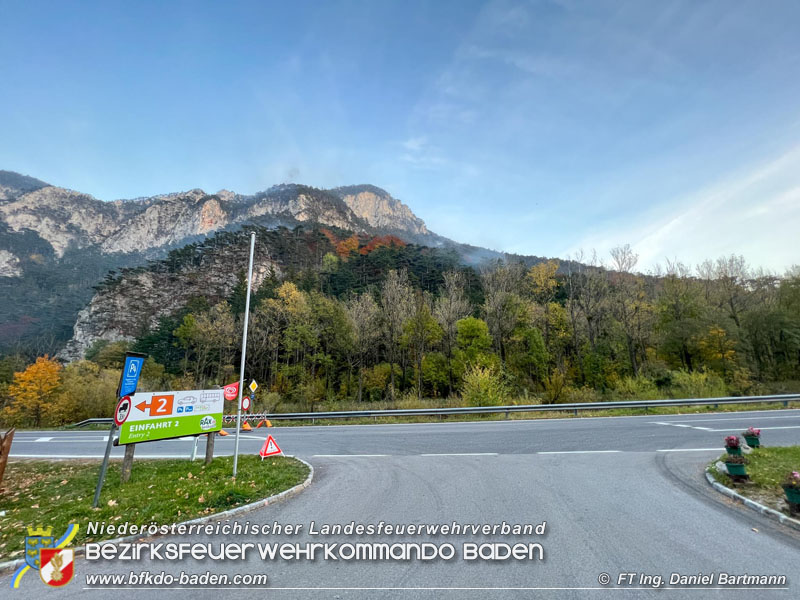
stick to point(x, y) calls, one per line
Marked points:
point(347, 455)
point(463, 454)
point(583, 452)
point(691, 450)
point(746, 417)
point(63, 456)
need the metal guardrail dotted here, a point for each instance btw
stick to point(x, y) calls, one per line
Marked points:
point(477, 410)
point(94, 421)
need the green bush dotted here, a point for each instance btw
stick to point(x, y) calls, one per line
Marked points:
point(484, 387)
point(573, 395)
point(637, 388)
point(697, 384)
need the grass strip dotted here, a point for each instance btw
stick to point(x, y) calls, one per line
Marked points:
point(767, 468)
point(56, 493)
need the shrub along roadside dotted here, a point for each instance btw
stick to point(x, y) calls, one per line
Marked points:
point(768, 469)
point(55, 494)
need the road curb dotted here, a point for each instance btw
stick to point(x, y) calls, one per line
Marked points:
point(751, 504)
point(293, 491)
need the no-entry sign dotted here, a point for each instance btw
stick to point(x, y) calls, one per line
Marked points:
point(161, 415)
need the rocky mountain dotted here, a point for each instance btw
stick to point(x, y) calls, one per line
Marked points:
point(56, 243)
point(130, 304)
point(13, 185)
point(380, 210)
point(65, 218)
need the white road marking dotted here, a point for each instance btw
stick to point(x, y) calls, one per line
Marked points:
point(61, 456)
point(680, 425)
point(464, 454)
point(58, 440)
point(347, 455)
point(719, 430)
point(691, 450)
point(583, 452)
point(737, 419)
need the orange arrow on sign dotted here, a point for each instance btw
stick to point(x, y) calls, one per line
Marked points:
point(142, 405)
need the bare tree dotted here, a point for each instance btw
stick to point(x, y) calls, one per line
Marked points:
point(421, 331)
point(624, 259)
point(451, 306)
point(628, 301)
point(396, 300)
point(502, 306)
point(732, 275)
point(364, 317)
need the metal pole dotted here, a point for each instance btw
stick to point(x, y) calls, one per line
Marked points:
point(244, 353)
point(105, 465)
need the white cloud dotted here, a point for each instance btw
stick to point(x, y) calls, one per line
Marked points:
point(756, 214)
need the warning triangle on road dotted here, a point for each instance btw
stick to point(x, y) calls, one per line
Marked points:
point(269, 448)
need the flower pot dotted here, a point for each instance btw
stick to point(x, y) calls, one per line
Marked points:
point(734, 451)
point(792, 494)
point(752, 441)
point(736, 470)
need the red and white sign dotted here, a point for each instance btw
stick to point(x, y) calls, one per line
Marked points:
point(57, 565)
point(246, 403)
point(231, 391)
point(122, 411)
point(269, 448)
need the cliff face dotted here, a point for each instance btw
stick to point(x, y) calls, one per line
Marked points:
point(380, 210)
point(135, 302)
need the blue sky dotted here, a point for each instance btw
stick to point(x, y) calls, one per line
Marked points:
point(537, 127)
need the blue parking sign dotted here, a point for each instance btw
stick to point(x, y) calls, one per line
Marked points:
point(131, 369)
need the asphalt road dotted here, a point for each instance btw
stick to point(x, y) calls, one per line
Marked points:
point(624, 434)
point(619, 495)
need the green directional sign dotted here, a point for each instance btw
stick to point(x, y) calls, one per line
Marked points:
point(162, 415)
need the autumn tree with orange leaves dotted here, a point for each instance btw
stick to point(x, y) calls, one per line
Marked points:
point(32, 391)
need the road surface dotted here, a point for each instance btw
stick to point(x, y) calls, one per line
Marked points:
point(619, 495)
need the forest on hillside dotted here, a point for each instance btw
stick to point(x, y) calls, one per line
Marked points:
point(380, 320)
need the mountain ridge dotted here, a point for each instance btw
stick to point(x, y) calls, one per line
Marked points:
point(57, 243)
point(63, 217)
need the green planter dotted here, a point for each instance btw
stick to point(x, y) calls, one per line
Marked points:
point(736, 470)
point(734, 451)
point(752, 441)
point(792, 494)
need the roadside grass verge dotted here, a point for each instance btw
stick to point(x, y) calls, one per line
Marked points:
point(54, 494)
point(767, 468)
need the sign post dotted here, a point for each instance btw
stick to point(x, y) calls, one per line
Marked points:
point(244, 352)
point(128, 380)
